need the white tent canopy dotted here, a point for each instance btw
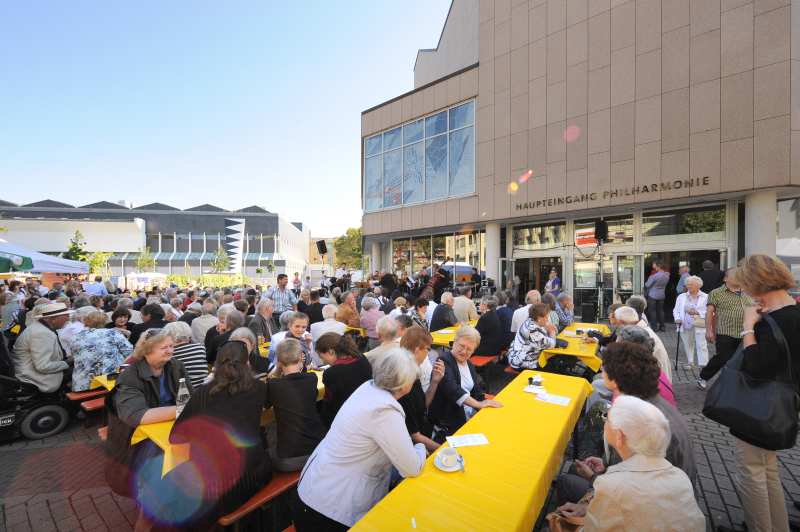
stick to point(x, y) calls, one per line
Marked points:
point(43, 263)
point(144, 280)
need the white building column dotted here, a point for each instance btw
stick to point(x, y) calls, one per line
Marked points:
point(493, 253)
point(760, 218)
point(375, 257)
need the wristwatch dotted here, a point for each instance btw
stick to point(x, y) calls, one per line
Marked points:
point(746, 332)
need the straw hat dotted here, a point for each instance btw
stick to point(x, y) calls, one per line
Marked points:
point(52, 310)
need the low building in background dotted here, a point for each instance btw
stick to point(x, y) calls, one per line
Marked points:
point(256, 242)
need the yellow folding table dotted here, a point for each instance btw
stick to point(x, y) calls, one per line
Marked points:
point(102, 381)
point(445, 337)
point(174, 453)
point(586, 352)
point(505, 483)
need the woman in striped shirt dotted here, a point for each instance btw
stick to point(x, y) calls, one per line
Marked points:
point(191, 354)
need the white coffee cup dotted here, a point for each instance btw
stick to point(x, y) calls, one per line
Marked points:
point(448, 457)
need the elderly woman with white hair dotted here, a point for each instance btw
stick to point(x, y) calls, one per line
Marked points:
point(387, 329)
point(626, 315)
point(644, 491)
point(690, 316)
point(460, 394)
point(349, 471)
point(193, 355)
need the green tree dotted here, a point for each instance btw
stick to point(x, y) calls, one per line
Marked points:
point(220, 262)
point(76, 250)
point(145, 261)
point(348, 247)
point(98, 262)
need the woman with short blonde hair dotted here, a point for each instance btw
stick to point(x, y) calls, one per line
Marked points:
point(767, 280)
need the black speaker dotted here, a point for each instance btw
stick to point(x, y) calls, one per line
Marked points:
point(322, 249)
point(600, 230)
point(589, 313)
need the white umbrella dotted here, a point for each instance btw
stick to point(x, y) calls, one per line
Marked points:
point(44, 263)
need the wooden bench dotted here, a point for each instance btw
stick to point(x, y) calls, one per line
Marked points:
point(280, 483)
point(92, 405)
point(480, 361)
point(83, 396)
point(511, 371)
point(102, 432)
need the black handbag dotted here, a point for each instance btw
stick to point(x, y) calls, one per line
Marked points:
point(763, 409)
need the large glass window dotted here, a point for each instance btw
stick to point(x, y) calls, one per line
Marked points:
point(787, 246)
point(401, 254)
point(546, 236)
point(426, 159)
point(695, 220)
point(420, 253)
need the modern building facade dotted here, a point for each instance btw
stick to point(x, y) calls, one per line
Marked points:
point(676, 122)
point(257, 242)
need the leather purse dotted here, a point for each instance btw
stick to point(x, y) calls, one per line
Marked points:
point(763, 409)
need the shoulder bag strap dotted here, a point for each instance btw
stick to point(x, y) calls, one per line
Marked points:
point(778, 333)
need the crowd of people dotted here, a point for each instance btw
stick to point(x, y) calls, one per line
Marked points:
point(390, 399)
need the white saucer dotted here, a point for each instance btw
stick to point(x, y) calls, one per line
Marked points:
point(442, 467)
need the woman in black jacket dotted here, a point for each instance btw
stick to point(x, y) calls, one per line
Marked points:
point(460, 394)
point(144, 393)
point(222, 424)
point(348, 370)
point(293, 393)
point(767, 280)
point(493, 337)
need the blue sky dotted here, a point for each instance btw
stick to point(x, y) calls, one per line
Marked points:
point(190, 102)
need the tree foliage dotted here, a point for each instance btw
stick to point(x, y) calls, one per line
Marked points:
point(98, 263)
point(348, 248)
point(145, 262)
point(220, 262)
point(76, 250)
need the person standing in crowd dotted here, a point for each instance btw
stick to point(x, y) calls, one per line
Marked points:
point(476, 281)
point(684, 274)
point(97, 288)
point(690, 315)
point(207, 320)
point(355, 458)
point(38, 356)
point(553, 284)
point(370, 314)
point(767, 280)
point(444, 316)
point(656, 285)
point(96, 351)
point(282, 298)
point(506, 305)
point(297, 284)
point(724, 318)
point(463, 307)
point(711, 275)
point(533, 297)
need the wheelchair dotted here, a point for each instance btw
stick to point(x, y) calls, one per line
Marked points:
point(24, 410)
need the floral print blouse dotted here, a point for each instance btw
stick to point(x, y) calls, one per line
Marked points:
point(97, 352)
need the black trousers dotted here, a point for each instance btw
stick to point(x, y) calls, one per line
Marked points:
point(725, 346)
point(307, 519)
point(655, 313)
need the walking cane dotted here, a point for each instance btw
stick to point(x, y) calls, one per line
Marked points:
point(678, 347)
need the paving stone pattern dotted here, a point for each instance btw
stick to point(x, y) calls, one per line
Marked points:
point(57, 484)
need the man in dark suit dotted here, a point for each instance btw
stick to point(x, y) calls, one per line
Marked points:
point(493, 338)
point(444, 316)
point(711, 276)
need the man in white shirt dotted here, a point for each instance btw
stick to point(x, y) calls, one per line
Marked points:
point(328, 324)
point(521, 314)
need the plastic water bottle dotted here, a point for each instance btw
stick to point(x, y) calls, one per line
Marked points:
point(183, 397)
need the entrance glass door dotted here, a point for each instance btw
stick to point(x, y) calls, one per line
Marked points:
point(627, 276)
point(591, 290)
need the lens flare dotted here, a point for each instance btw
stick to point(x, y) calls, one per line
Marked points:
point(572, 133)
point(524, 177)
point(513, 187)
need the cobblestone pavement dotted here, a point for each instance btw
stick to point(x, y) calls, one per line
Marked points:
point(57, 484)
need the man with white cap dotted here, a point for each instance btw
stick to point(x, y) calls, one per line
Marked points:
point(628, 316)
point(38, 355)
